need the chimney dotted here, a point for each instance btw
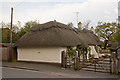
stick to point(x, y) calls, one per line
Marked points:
point(70, 25)
point(80, 25)
point(92, 29)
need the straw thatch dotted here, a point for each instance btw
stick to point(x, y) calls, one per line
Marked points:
point(50, 34)
point(115, 45)
point(95, 39)
point(88, 37)
point(57, 34)
point(84, 37)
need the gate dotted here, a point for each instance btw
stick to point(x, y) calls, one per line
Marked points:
point(98, 65)
point(105, 64)
point(102, 64)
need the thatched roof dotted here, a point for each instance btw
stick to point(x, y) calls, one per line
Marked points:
point(94, 38)
point(57, 34)
point(50, 34)
point(84, 37)
point(88, 37)
point(115, 45)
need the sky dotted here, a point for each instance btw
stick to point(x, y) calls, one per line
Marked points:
point(63, 11)
point(119, 8)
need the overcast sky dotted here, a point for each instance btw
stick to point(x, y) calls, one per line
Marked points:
point(60, 10)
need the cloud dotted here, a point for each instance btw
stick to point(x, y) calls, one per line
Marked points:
point(43, 0)
point(94, 10)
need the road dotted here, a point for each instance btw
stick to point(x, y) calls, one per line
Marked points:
point(21, 73)
point(8, 72)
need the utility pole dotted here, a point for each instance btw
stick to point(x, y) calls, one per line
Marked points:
point(10, 54)
point(11, 27)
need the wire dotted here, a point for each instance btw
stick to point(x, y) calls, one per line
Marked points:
point(19, 4)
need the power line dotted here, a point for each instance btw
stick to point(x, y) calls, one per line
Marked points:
point(19, 4)
point(16, 5)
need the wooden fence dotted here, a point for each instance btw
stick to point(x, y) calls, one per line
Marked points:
point(67, 61)
point(7, 55)
point(112, 63)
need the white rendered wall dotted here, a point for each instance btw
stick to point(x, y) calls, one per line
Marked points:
point(93, 52)
point(40, 54)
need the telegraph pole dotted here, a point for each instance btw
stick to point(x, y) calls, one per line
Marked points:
point(10, 54)
point(11, 27)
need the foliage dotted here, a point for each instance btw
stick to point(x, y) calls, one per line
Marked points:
point(17, 30)
point(70, 51)
point(30, 24)
point(105, 31)
point(116, 36)
point(6, 32)
point(5, 35)
point(86, 24)
point(26, 28)
point(79, 52)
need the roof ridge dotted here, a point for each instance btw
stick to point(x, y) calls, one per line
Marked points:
point(48, 25)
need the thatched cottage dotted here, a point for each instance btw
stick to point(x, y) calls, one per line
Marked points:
point(90, 39)
point(44, 42)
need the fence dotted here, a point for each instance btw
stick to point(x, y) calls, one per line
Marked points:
point(67, 61)
point(103, 64)
point(7, 55)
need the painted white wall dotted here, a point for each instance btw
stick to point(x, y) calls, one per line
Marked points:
point(93, 52)
point(40, 54)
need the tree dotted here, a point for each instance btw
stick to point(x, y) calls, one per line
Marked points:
point(86, 24)
point(116, 36)
point(5, 35)
point(17, 30)
point(5, 32)
point(26, 28)
point(105, 31)
point(30, 24)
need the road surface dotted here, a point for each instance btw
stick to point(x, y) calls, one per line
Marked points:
point(24, 73)
point(21, 73)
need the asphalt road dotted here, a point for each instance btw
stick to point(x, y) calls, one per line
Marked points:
point(21, 73)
